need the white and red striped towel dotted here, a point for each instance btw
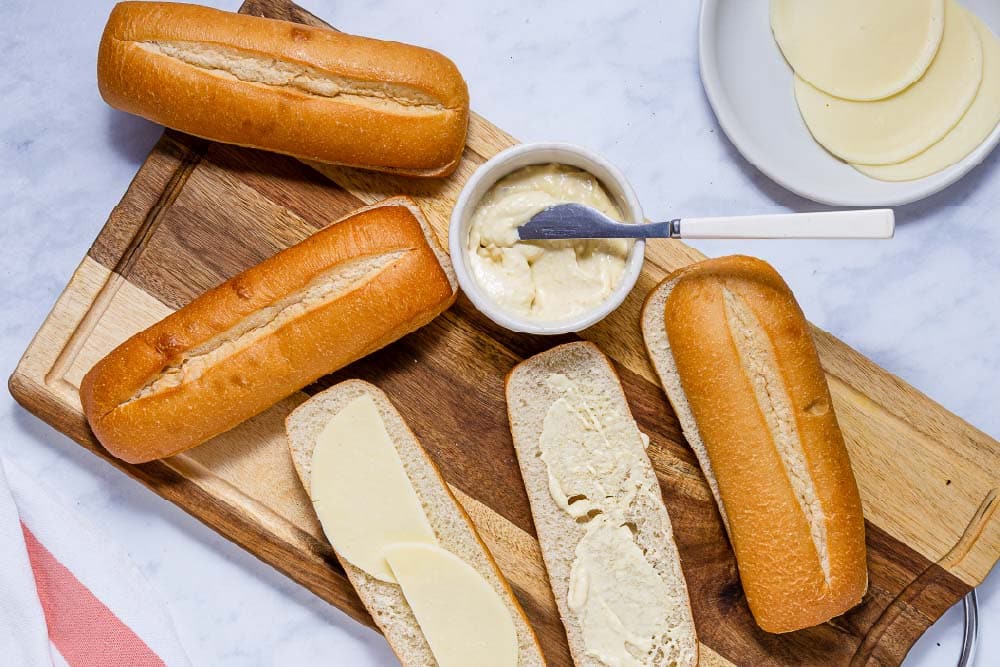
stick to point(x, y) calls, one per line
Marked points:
point(68, 595)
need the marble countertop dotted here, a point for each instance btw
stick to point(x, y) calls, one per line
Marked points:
point(620, 77)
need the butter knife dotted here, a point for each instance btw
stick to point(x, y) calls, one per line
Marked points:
point(575, 221)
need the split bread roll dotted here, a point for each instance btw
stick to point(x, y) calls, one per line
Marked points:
point(448, 523)
point(346, 291)
point(737, 361)
point(312, 93)
point(605, 535)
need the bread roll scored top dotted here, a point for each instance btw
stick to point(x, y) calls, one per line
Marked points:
point(290, 88)
point(763, 413)
point(337, 296)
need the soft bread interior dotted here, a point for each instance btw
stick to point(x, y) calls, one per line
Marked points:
point(654, 333)
point(451, 525)
point(529, 397)
point(757, 356)
point(251, 67)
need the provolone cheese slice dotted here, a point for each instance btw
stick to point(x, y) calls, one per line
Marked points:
point(859, 49)
point(362, 495)
point(462, 617)
point(976, 125)
point(897, 128)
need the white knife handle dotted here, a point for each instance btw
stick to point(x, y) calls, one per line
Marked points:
point(876, 223)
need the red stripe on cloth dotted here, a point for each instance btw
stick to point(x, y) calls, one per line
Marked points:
point(82, 628)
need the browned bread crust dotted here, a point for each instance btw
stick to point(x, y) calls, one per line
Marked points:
point(337, 296)
point(308, 92)
point(762, 412)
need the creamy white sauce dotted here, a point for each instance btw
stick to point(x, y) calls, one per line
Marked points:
point(543, 280)
point(621, 603)
point(615, 592)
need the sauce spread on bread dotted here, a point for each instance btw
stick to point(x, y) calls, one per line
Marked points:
point(621, 602)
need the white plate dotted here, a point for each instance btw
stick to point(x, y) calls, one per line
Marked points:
point(749, 86)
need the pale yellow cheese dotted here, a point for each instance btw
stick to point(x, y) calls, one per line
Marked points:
point(463, 619)
point(899, 127)
point(976, 125)
point(362, 495)
point(858, 49)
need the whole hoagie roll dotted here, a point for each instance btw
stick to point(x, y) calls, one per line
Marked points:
point(337, 296)
point(737, 361)
point(312, 93)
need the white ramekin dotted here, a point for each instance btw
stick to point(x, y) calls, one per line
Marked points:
point(504, 163)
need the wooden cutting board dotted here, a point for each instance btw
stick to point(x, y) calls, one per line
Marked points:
point(197, 213)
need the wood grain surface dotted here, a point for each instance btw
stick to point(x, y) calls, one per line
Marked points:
point(199, 212)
